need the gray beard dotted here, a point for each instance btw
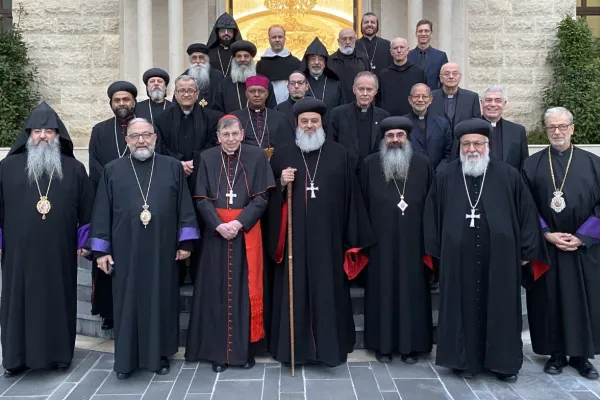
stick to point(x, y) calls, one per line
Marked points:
point(308, 143)
point(475, 166)
point(347, 50)
point(142, 154)
point(43, 159)
point(395, 162)
point(239, 73)
point(201, 73)
point(157, 94)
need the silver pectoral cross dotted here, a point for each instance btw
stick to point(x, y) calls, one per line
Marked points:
point(473, 216)
point(402, 205)
point(231, 195)
point(312, 189)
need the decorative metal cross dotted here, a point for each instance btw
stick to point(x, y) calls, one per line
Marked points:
point(473, 216)
point(231, 195)
point(312, 189)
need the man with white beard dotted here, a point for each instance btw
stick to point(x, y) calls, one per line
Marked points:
point(46, 202)
point(482, 227)
point(200, 69)
point(231, 92)
point(143, 223)
point(347, 61)
point(330, 228)
point(395, 183)
point(156, 81)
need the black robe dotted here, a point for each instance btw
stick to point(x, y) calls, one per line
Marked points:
point(222, 65)
point(277, 68)
point(151, 110)
point(145, 277)
point(480, 267)
point(231, 96)
point(286, 108)
point(277, 133)
point(378, 52)
point(219, 328)
point(206, 97)
point(326, 230)
point(564, 305)
point(39, 257)
point(346, 67)
point(398, 281)
point(395, 83)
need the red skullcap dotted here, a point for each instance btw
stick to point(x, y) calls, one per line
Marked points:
point(228, 116)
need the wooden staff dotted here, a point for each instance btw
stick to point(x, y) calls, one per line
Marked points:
point(291, 275)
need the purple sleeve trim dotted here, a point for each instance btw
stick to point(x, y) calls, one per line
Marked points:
point(543, 223)
point(100, 245)
point(82, 235)
point(591, 228)
point(188, 234)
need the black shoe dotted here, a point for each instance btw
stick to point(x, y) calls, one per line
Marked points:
point(463, 373)
point(107, 324)
point(507, 377)
point(12, 372)
point(584, 367)
point(410, 358)
point(555, 364)
point(383, 358)
point(123, 375)
point(165, 366)
point(61, 366)
point(251, 362)
point(219, 367)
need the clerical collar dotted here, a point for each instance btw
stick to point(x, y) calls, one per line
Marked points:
point(234, 154)
point(419, 117)
point(223, 46)
point(362, 110)
point(257, 111)
point(494, 124)
point(186, 112)
point(316, 77)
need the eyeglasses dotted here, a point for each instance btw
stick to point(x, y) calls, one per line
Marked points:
point(563, 128)
point(144, 135)
point(392, 135)
point(188, 92)
point(478, 145)
point(296, 83)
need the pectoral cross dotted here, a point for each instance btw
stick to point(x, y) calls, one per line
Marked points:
point(312, 189)
point(473, 216)
point(231, 195)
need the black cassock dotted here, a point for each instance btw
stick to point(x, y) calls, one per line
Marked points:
point(480, 267)
point(145, 277)
point(222, 311)
point(150, 110)
point(328, 231)
point(395, 84)
point(397, 293)
point(275, 133)
point(39, 285)
point(378, 51)
point(563, 306)
point(231, 97)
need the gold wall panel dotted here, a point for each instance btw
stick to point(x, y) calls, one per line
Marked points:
point(303, 20)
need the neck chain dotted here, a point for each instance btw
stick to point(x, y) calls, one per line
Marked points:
point(402, 205)
point(558, 202)
point(312, 187)
point(230, 194)
point(221, 62)
point(373, 57)
point(43, 206)
point(324, 89)
point(237, 88)
point(473, 216)
point(150, 108)
point(145, 215)
point(117, 142)
point(262, 138)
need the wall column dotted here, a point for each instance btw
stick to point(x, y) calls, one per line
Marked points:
point(144, 45)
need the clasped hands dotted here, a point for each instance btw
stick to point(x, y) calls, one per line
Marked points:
point(563, 241)
point(229, 230)
point(188, 167)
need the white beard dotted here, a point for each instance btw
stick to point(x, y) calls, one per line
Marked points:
point(307, 142)
point(157, 94)
point(142, 154)
point(346, 50)
point(395, 162)
point(473, 164)
point(43, 159)
point(239, 73)
point(201, 73)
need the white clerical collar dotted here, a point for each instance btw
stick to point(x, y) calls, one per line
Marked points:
point(316, 77)
point(493, 124)
point(450, 96)
point(256, 110)
point(187, 112)
point(421, 117)
point(224, 47)
point(270, 53)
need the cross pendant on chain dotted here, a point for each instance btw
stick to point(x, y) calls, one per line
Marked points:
point(312, 189)
point(473, 216)
point(231, 195)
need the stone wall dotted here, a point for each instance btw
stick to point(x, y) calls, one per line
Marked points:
point(75, 46)
point(509, 41)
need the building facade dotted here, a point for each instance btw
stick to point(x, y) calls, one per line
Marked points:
point(81, 46)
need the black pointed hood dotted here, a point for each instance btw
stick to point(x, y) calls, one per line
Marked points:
point(225, 21)
point(43, 116)
point(316, 47)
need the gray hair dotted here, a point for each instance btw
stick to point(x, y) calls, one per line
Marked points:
point(227, 122)
point(368, 74)
point(138, 121)
point(187, 78)
point(556, 111)
point(497, 89)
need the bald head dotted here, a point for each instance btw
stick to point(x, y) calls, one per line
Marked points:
point(419, 88)
point(399, 50)
point(450, 77)
point(347, 41)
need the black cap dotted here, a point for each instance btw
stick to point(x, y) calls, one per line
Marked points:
point(197, 48)
point(396, 123)
point(243, 45)
point(309, 104)
point(470, 126)
point(121, 86)
point(156, 73)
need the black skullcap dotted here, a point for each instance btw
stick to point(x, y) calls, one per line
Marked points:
point(471, 126)
point(243, 45)
point(197, 48)
point(121, 86)
point(396, 123)
point(156, 73)
point(309, 104)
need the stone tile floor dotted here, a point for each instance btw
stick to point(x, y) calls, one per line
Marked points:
point(91, 377)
